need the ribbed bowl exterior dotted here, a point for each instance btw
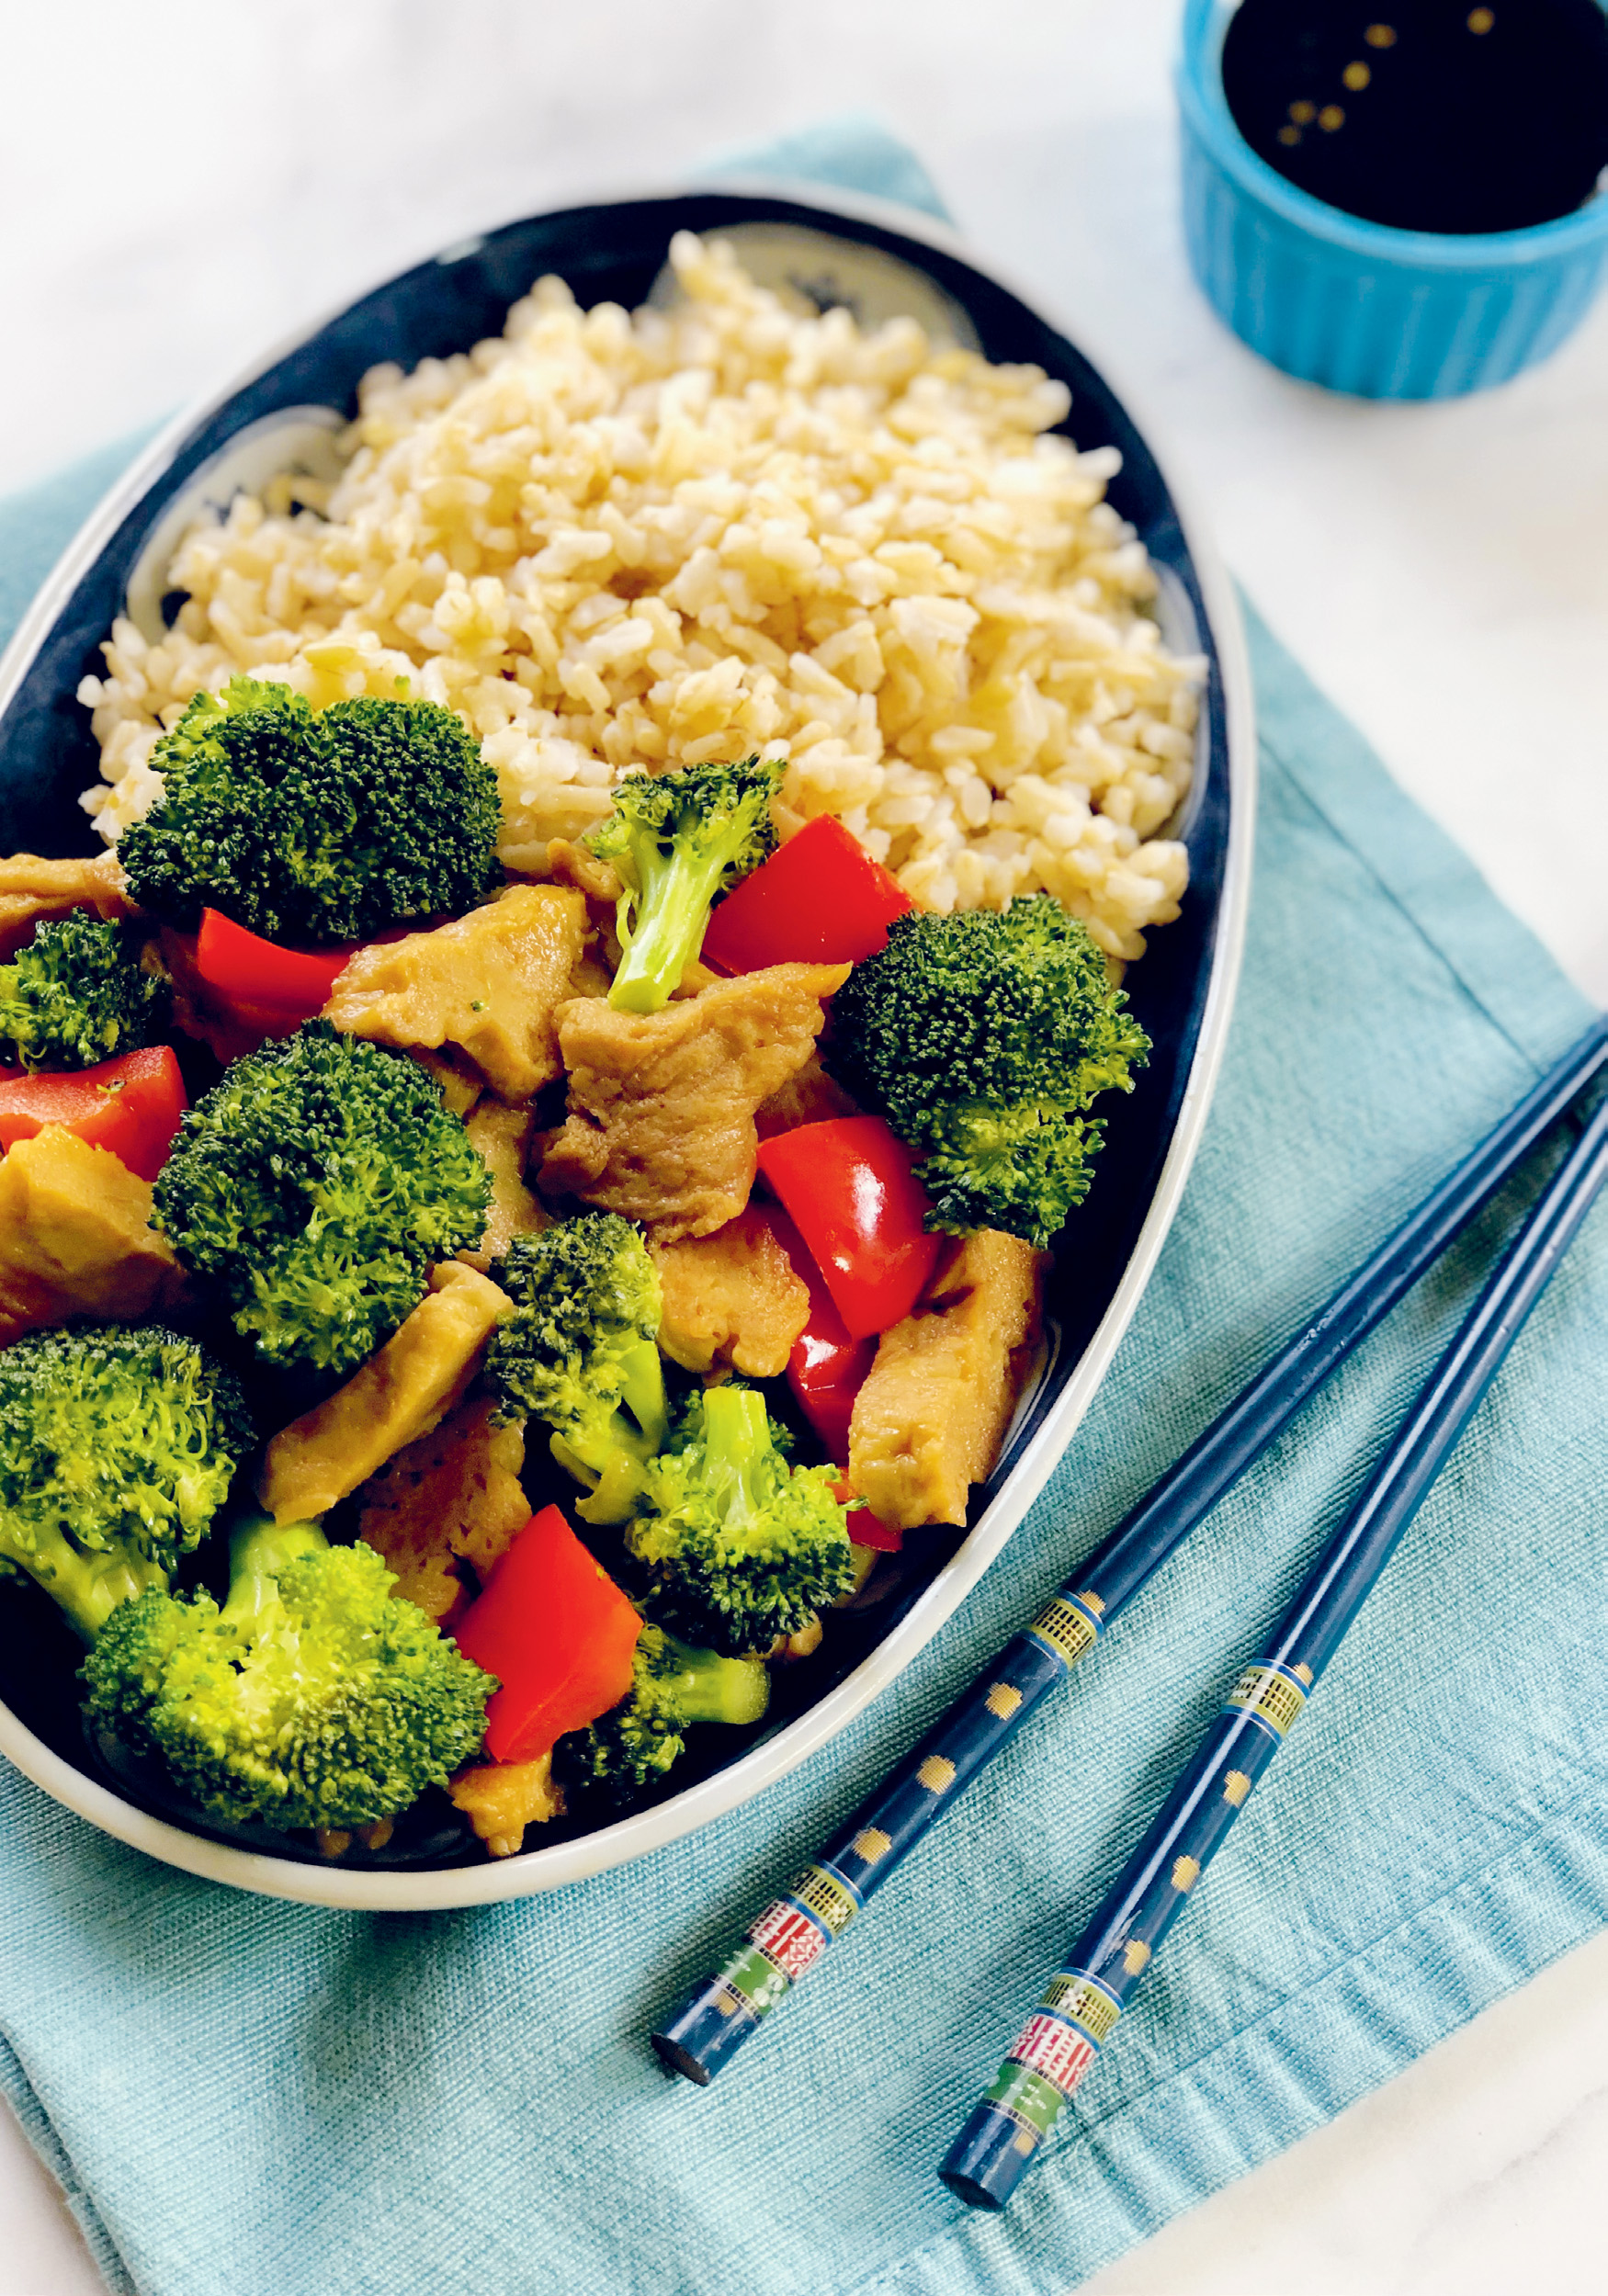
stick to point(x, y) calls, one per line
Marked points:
point(1355, 306)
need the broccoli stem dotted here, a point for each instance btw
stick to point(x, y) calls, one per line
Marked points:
point(259, 1548)
point(87, 1586)
point(615, 1463)
point(707, 1688)
point(737, 1434)
point(661, 923)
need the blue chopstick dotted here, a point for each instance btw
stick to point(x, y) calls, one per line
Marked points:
point(1089, 1994)
point(787, 1938)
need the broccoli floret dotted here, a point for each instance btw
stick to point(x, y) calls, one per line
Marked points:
point(315, 1186)
point(982, 1037)
point(77, 996)
point(580, 1353)
point(678, 839)
point(314, 1697)
point(673, 1686)
point(331, 827)
point(117, 1448)
point(738, 1547)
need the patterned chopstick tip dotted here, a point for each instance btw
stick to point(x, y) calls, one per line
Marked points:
point(788, 1937)
point(1082, 2003)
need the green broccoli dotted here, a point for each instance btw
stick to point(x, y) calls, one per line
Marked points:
point(319, 827)
point(117, 1447)
point(982, 1037)
point(673, 1686)
point(678, 839)
point(580, 1353)
point(738, 1547)
point(77, 996)
point(314, 1697)
point(315, 1186)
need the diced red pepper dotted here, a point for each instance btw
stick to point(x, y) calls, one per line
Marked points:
point(258, 975)
point(557, 1633)
point(130, 1105)
point(849, 1188)
point(866, 1529)
point(819, 900)
point(826, 1367)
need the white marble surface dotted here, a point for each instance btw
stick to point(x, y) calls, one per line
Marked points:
point(181, 183)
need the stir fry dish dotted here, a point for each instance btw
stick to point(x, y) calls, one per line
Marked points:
point(461, 1332)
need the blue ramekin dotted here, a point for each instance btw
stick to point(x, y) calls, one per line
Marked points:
point(1355, 306)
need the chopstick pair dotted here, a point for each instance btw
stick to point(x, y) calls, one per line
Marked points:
point(1091, 1991)
point(790, 1934)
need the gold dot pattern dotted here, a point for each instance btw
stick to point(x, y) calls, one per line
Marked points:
point(1302, 114)
point(1380, 36)
point(871, 1843)
point(1357, 77)
point(1330, 117)
point(1135, 1956)
point(1185, 1872)
point(935, 1773)
point(1236, 1786)
point(1003, 1700)
point(1289, 135)
point(1481, 20)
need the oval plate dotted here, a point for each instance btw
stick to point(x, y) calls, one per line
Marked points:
point(816, 250)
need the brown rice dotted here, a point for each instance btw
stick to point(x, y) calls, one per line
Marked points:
point(613, 539)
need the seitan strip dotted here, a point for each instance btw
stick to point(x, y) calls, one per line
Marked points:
point(75, 1238)
point(928, 1423)
point(485, 986)
point(34, 890)
point(732, 1297)
point(398, 1396)
point(501, 1799)
point(661, 1125)
point(452, 1496)
point(503, 1135)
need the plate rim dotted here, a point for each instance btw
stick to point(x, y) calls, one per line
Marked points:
point(737, 1782)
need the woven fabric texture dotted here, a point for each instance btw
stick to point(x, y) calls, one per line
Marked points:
point(245, 2095)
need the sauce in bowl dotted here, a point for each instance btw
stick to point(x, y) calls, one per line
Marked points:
point(1426, 115)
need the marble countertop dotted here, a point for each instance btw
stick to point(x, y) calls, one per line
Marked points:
point(1441, 570)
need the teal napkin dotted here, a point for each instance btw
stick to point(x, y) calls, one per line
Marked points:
point(247, 2095)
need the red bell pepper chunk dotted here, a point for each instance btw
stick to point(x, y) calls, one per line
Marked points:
point(819, 900)
point(259, 976)
point(868, 1530)
point(865, 1528)
point(130, 1105)
point(555, 1632)
point(826, 1367)
point(848, 1186)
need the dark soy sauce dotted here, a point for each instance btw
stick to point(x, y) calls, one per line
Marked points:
point(1429, 115)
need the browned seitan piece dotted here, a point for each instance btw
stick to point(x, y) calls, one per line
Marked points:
point(732, 1297)
point(485, 986)
point(503, 1135)
point(811, 1097)
point(661, 1123)
point(34, 890)
point(928, 1423)
point(399, 1394)
point(501, 1799)
point(460, 1086)
point(75, 1238)
point(454, 1495)
point(580, 866)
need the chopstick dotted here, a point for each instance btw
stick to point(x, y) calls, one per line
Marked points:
point(1089, 1994)
point(707, 2026)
